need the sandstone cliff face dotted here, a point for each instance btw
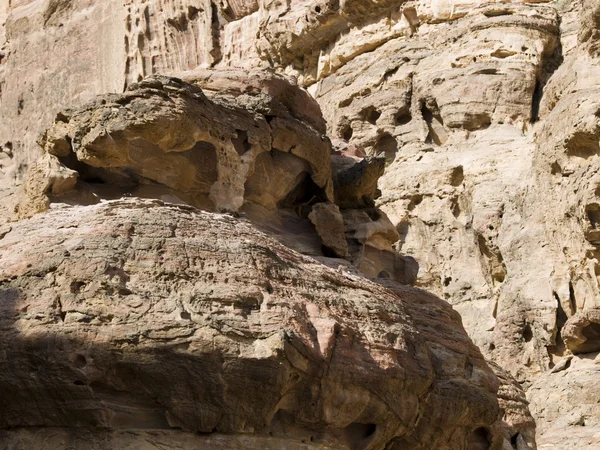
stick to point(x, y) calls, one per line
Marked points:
point(479, 116)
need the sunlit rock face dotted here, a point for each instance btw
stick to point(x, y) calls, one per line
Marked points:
point(451, 144)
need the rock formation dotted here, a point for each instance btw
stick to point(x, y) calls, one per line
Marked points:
point(454, 138)
point(147, 316)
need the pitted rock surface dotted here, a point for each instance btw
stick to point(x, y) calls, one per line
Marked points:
point(144, 315)
point(481, 113)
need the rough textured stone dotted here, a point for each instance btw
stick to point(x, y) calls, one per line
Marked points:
point(485, 113)
point(142, 315)
point(169, 133)
point(247, 151)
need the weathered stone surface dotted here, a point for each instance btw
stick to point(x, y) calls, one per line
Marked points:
point(517, 423)
point(505, 209)
point(485, 113)
point(167, 132)
point(355, 180)
point(565, 403)
point(329, 225)
point(244, 149)
point(143, 315)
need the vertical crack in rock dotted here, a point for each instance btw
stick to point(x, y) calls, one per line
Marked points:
point(215, 23)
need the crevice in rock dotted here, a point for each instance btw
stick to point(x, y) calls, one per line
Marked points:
point(347, 132)
point(193, 12)
point(241, 143)
point(498, 12)
point(457, 177)
point(549, 66)
point(493, 258)
point(305, 193)
point(538, 93)
point(403, 116)
point(514, 440)
point(415, 201)
point(435, 124)
point(359, 435)
point(386, 146)
point(59, 309)
point(527, 333)
point(572, 301)
point(561, 318)
point(592, 334)
point(455, 207)
point(371, 115)
point(216, 52)
point(479, 440)
point(583, 145)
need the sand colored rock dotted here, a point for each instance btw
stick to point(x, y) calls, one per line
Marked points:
point(481, 115)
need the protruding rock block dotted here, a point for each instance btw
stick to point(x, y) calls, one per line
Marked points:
point(166, 133)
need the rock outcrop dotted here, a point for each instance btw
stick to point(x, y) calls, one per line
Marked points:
point(137, 315)
point(463, 134)
point(211, 153)
point(258, 151)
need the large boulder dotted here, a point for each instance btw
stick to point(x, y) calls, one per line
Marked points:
point(134, 314)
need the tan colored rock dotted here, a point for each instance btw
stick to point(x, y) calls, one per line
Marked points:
point(565, 403)
point(355, 180)
point(206, 152)
point(142, 315)
point(481, 70)
point(507, 212)
point(329, 225)
point(485, 113)
point(46, 178)
point(517, 423)
point(165, 139)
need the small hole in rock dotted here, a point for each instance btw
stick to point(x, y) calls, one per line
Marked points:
point(403, 117)
point(76, 287)
point(193, 12)
point(479, 440)
point(371, 115)
point(457, 176)
point(415, 201)
point(80, 361)
point(386, 146)
point(513, 441)
point(347, 133)
point(527, 333)
point(358, 434)
point(555, 169)
point(329, 253)
point(240, 142)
